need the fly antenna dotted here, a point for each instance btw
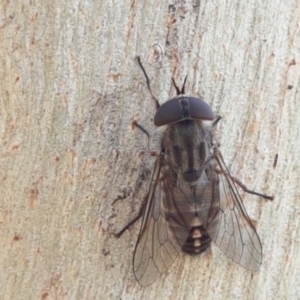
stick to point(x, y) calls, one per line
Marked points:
point(178, 91)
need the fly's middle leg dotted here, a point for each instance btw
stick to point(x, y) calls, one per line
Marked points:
point(141, 128)
point(245, 189)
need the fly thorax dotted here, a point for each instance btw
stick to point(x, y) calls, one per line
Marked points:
point(186, 147)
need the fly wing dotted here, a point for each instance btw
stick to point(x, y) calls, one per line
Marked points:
point(156, 247)
point(228, 223)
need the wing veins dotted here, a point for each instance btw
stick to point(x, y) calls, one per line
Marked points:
point(234, 233)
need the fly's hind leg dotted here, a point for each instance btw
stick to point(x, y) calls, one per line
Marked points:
point(140, 213)
point(127, 226)
point(153, 153)
point(133, 221)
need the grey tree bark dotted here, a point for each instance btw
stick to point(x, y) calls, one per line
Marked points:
point(69, 90)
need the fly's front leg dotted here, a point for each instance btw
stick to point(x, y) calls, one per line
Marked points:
point(148, 82)
point(216, 121)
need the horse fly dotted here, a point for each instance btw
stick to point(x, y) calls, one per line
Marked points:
point(192, 199)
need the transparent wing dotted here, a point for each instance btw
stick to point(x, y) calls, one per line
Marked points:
point(228, 223)
point(156, 247)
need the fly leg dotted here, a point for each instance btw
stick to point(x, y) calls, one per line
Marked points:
point(133, 221)
point(223, 170)
point(127, 226)
point(148, 82)
point(245, 189)
point(140, 213)
point(153, 153)
point(141, 128)
point(216, 121)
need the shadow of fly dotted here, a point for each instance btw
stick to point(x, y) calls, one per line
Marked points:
point(192, 199)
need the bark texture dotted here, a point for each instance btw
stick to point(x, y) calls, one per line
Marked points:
point(69, 90)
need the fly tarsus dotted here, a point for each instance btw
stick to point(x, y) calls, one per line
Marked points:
point(127, 226)
point(245, 189)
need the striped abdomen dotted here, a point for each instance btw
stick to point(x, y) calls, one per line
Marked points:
point(197, 242)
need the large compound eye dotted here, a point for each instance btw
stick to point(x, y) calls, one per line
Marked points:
point(182, 108)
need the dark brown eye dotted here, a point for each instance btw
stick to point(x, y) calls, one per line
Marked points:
point(182, 108)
